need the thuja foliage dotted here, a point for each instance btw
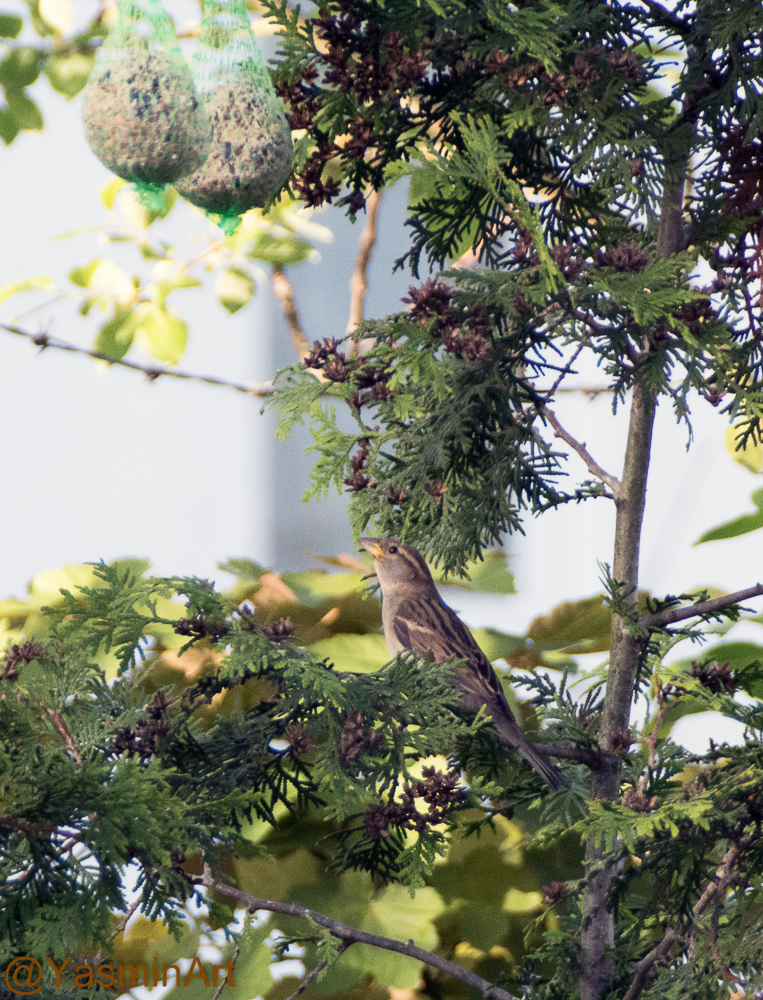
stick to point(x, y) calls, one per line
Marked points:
point(154, 724)
point(167, 731)
point(534, 137)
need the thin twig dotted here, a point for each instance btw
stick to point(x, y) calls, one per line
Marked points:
point(565, 371)
point(343, 946)
point(152, 373)
point(231, 963)
point(662, 618)
point(593, 467)
point(351, 935)
point(118, 929)
point(715, 890)
point(659, 718)
point(359, 279)
point(60, 725)
point(285, 295)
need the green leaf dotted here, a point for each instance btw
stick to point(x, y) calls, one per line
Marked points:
point(24, 285)
point(9, 128)
point(19, 68)
point(245, 569)
point(497, 645)
point(739, 526)
point(360, 654)
point(165, 333)
point(235, 288)
point(83, 275)
point(68, 72)
point(282, 250)
point(116, 336)
point(490, 575)
point(10, 25)
point(575, 626)
point(25, 112)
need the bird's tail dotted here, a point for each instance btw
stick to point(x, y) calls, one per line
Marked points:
point(532, 753)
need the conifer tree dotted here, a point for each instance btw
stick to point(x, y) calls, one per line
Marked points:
point(586, 202)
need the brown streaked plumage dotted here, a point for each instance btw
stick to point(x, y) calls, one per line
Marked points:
point(415, 617)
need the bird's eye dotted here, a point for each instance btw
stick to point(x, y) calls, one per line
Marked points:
point(392, 550)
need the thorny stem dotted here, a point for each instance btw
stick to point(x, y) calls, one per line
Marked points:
point(359, 279)
point(285, 294)
point(350, 935)
point(152, 373)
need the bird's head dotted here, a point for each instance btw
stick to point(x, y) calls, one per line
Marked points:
point(396, 563)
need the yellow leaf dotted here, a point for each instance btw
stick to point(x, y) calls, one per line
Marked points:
point(164, 334)
point(59, 14)
point(110, 190)
point(751, 456)
point(110, 282)
point(516, 901)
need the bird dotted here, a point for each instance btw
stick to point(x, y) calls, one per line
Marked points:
point(415, 617)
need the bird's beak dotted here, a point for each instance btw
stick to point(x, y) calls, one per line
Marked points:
point(372, 545)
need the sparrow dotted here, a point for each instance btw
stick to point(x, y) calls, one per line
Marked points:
point(415, 617)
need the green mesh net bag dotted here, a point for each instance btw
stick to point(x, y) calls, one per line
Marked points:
point(251, 151)
point(142, 117)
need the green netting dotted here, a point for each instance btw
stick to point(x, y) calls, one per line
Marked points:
point(251, 149)
point(142, 116)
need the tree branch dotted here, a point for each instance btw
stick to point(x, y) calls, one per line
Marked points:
point(642, 970)
point(343, 946)
point(593, 467)
point(672, 615)
point(63, 731)
point(152, 372)
point(359, 279)
point(285, 294)
point(351, 935)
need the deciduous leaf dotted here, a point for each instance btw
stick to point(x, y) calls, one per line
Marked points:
point(10, 25)
point(59, 14)
point(165, 333)
point(575, 626)
point(360, 654)
point(68, 72)
point(234, 287)
point(751, 456)
point(25, 285)
point(25, 112)
point(110, 190)
point(739, 526)
point(115, 337)
point(19, 69)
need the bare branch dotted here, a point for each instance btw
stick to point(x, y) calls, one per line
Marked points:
point(351, 935)
point(359, 279)
point(344, 945)
point(593, 467)
point(118, 929)
point(668, 617)
point(152, 373)
point(224, 979)
point(285, 294)
point(715, 890)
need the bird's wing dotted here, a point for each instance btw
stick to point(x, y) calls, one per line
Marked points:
point(424, 626)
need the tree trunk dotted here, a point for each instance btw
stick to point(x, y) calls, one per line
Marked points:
point(597, 964)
